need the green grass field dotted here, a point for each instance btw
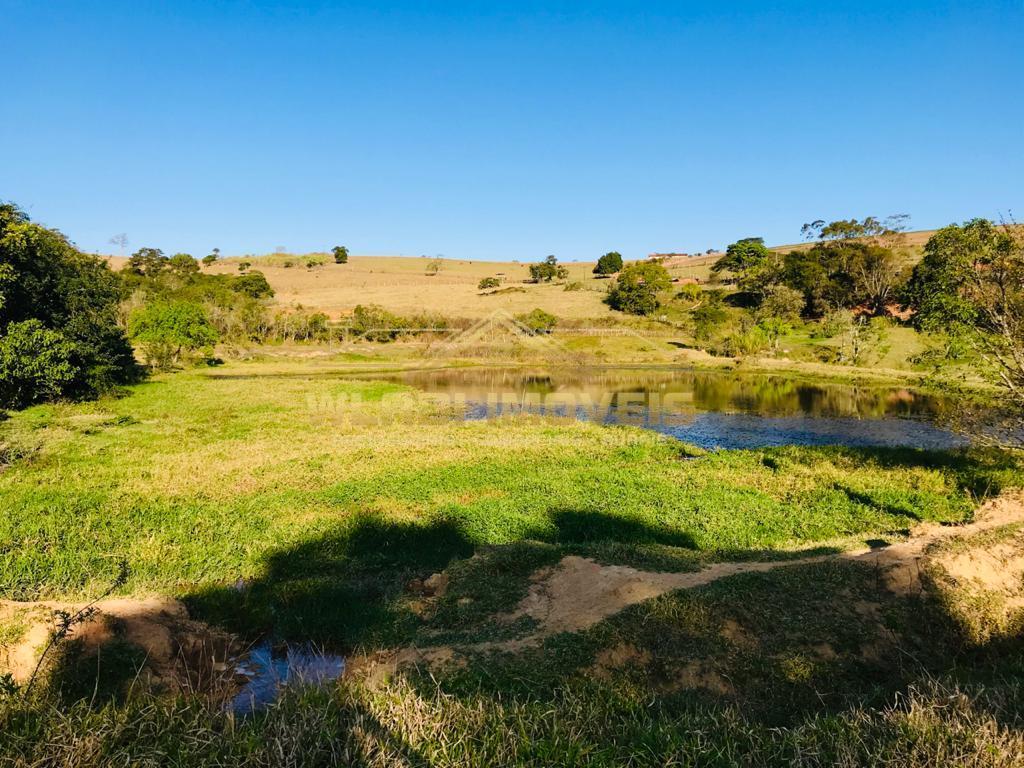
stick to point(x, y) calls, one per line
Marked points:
point(276, 500)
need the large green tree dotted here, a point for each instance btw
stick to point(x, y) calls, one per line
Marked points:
point(608, 264)
point(637, 287)
point(754, 265)
point(970, 286)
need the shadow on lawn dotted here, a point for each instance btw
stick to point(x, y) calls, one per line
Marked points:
point(803, 637)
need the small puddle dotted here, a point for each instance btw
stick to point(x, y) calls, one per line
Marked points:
point(269, 668)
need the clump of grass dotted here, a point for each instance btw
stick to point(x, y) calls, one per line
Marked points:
point(934, 724)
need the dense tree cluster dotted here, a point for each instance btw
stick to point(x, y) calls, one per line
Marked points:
point(851, 264)
point(59, 332)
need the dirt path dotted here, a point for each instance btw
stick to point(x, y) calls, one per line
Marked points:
point(578, 592)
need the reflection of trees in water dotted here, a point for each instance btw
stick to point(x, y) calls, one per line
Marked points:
point(703, 390)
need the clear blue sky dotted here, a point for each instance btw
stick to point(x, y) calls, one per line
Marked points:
point(505, 130)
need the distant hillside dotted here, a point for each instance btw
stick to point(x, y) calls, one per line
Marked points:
point(409, 284)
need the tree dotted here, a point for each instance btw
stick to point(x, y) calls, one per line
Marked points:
point(148, 262)
point(44, 278)
point(211, 257)
point(869, 228)
point(340, 254)
point(168, 329)
point(608, 264)
point(548, 270)
point(781, 302)
point(970, 286)
point(754, 265)
point(36, 364)
point(244, 265)
point(779, 310)
point(876, 275)
point(637, 287)
point(182, 265)
point(487, 283)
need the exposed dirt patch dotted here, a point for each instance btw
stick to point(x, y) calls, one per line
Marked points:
point(181, 654)
point(579, 592)
point(621, 656)
point(699, 675)
point(737, 635)
point(1000, 567)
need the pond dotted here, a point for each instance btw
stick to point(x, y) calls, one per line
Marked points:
point(710, 409)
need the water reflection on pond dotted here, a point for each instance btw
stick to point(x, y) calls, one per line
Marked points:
point(707, 408)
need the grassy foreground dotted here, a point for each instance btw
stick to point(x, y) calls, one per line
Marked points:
point(287, 503)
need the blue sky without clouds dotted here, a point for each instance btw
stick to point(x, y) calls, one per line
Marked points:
point(505, 130)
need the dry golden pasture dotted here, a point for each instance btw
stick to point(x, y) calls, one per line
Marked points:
point(403, 284)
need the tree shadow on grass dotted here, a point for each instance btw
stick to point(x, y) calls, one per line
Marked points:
point(577, 526)
point(981, 472)
point(779, 646)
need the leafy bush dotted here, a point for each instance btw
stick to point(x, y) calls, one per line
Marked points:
point(168, 330)
point(340, 254)
point(637, 287)
point(709, 316)
point(488, 283)
point(374, 323)
point(573, 285)
point(537, 321)
point(253, 284)
point(35, 364)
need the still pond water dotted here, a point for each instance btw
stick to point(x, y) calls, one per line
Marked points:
point(706, 408)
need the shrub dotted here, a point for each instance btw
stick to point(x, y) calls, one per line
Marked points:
point(252, 284)
point(537, 321)
point(748, 342)
point(608, 264)
point(340, 254)
point(574, 285)
point(168, 330)
point(637, 287)
point(374, 323)
point(488, 283)
point(709, 316)
point(35, 364)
